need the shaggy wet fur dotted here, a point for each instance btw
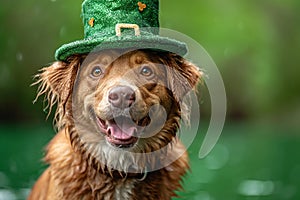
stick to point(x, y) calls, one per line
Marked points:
point(85, 161)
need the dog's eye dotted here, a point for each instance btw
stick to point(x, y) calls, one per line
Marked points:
point(96, 72)
point(146, 71)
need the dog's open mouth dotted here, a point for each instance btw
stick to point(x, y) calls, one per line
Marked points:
point(121, 131)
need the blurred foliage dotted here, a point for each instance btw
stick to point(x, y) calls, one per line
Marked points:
point(255, 44)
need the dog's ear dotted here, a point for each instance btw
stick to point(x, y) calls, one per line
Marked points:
point(182, 76)
point(56, 83)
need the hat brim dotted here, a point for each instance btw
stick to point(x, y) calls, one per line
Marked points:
point(120, 42)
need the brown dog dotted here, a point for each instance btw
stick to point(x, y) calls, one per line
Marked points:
point(117, 115)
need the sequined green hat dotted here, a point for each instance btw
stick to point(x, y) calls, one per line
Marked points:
point(121, 24)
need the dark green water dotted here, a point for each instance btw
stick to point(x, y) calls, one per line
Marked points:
point(248, 163)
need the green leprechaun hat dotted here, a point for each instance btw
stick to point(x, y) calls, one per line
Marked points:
point(120, 24)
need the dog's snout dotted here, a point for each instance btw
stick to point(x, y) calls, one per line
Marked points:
point(121, 96)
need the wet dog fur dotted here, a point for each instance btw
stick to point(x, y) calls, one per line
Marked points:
point(90, 157)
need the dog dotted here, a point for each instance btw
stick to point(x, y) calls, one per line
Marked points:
point(117, 116)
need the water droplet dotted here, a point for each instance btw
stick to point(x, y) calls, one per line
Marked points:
point(19, 56)
point(62, 31)
point(7, 194)
point(227, 52)
point(256, 188)
point(218, 158)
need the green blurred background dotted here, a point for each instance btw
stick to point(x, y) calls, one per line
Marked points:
point(256, 46)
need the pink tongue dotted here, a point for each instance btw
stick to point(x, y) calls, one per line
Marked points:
point(122, 131)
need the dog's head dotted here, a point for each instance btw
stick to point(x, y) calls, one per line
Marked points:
point(120, 104)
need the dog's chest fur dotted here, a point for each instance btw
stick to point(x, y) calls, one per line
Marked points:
point(124, 190)
point(72, 177)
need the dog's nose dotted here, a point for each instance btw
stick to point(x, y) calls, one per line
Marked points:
point(121, 96)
